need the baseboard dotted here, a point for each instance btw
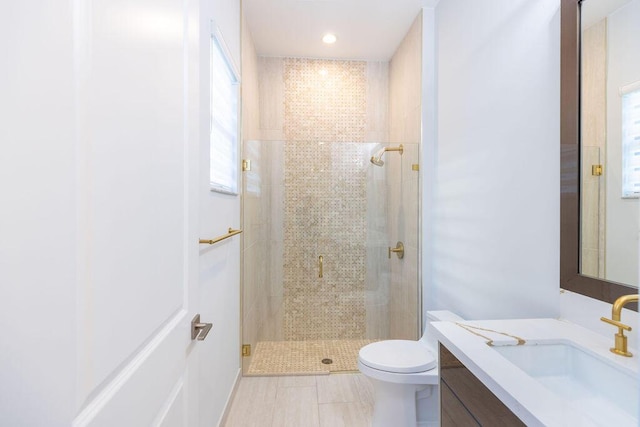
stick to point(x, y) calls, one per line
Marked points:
point(227, 405)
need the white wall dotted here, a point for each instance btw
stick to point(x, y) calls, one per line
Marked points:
point(428, 156)
point(494, 237)
point(219, 266)
point(622, 215)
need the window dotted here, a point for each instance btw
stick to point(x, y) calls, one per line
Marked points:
point(223, 137)
point(631, 141)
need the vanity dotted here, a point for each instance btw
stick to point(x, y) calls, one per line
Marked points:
point(550, 372)
point(534, 372)
point(465, 401)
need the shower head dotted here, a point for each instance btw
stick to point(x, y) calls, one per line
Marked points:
point(376, 159)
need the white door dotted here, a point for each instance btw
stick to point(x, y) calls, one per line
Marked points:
point(100, 248)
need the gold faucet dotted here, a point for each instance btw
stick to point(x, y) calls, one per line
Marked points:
point(620, 339)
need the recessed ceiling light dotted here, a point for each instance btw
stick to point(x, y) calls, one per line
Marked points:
point(329, 38)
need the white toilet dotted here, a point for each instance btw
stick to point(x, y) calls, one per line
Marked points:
point(405, 377)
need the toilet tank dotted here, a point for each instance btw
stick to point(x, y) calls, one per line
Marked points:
point(436, 316)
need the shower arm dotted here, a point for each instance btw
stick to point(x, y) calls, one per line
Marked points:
point(400, 148)
point(377, 158)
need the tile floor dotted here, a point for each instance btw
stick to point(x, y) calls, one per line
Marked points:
point(305, 357)
point(302, 401)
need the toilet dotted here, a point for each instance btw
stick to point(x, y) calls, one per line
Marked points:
point(404, 375)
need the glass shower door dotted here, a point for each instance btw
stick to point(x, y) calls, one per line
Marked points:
point(318, 283)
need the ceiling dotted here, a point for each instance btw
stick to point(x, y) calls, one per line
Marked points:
point(366, 29)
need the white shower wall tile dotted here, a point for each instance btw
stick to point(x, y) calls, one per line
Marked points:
point(377, 86)
point(404, 85)
point(272, 134)
point(250, 87)
point(410, 157)
point(276, 319)
point(377, 315)
point(412, 237)
point(376, 136)
point(413, 127)
point(250, 329)
point(249, 288)
point(405, 128)
point(276, 246)
point(271, 88)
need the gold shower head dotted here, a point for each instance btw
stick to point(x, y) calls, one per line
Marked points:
point(377, 158)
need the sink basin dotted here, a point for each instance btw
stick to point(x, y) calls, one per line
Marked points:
point(597, 387)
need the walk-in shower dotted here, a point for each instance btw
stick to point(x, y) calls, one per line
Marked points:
point(319, 218)
point(376, 159)
point(298, 311)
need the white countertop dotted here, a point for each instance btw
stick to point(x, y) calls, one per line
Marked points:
point(534, 404)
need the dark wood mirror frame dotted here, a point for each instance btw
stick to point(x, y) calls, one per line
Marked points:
point(570, 277)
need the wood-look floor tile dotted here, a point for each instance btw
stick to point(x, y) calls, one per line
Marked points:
point(296, 407)
point(353, 414)
point(253, 403)
point(341, 388)
point(297, 381)
point(365, 389)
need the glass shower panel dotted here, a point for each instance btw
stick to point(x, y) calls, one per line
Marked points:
point(592, 212)
point(402, 182)
point(319, 218)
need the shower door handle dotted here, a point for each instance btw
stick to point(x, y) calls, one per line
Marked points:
point(320, 266)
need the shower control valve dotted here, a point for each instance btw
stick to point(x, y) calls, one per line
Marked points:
point(399, 250)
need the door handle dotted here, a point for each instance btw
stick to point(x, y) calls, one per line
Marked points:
point(199, 330)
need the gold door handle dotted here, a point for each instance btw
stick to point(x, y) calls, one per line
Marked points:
point(199, 330)
point(398, 250)
point(320, 266)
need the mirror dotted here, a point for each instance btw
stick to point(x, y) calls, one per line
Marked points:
point(610, 140)
point(571, 277)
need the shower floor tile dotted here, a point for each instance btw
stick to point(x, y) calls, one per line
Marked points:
point(305, 357)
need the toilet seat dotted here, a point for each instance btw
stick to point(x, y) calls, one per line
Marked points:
point(398, 356)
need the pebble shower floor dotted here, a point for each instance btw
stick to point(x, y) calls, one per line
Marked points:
point(305, 357)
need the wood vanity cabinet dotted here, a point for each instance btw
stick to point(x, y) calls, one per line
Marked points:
point(465, 401)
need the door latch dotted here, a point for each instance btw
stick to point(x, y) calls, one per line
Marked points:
point(199, 330)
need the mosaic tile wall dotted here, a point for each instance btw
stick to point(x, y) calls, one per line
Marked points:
point(325, 198)
point(325, 214)
point(325, 100)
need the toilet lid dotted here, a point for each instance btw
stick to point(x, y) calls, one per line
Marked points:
point(399, 356)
